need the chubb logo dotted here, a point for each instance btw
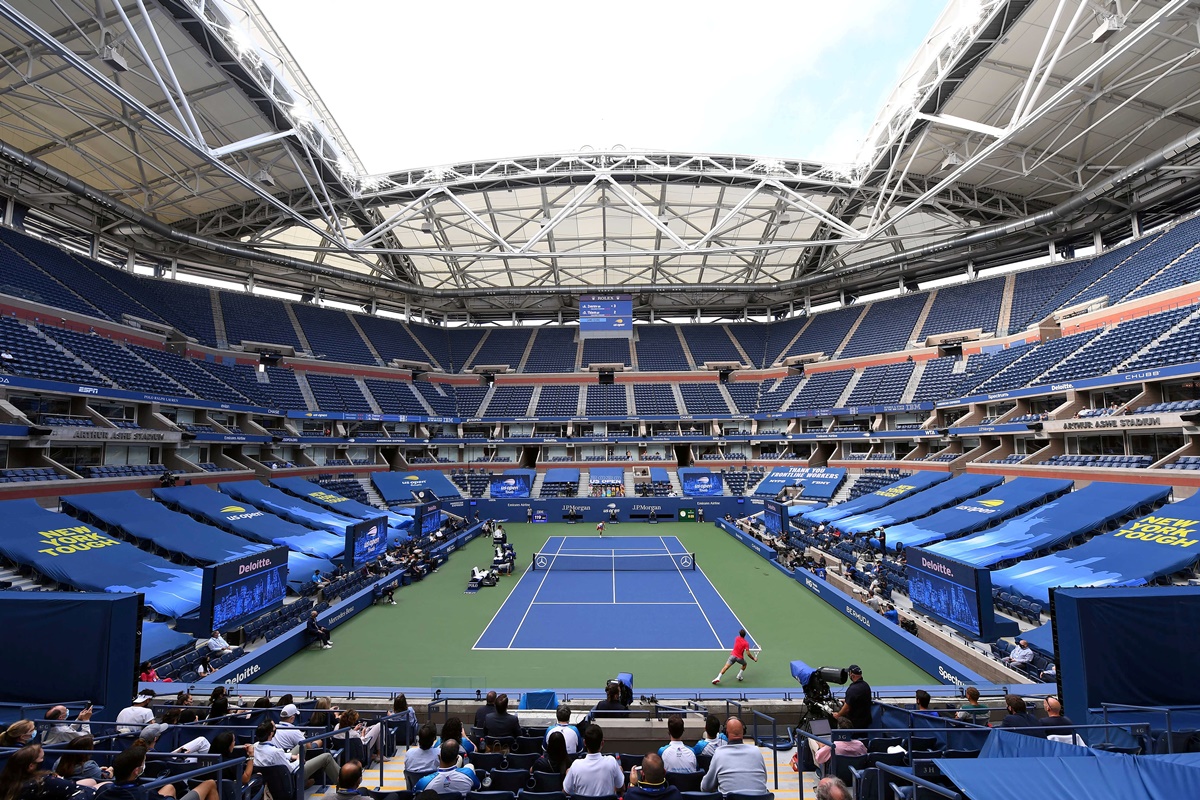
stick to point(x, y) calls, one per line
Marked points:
point(232, 510)
point(991, 503)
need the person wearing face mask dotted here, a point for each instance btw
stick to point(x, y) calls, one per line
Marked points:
point(19, 734)
point(128, 768)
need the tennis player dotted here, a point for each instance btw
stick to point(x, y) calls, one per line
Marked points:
point(600, 528)
point(741, 649)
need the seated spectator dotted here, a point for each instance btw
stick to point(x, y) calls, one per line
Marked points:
point(973, 710)
point(1019, 717)
point(452, 729)
point(891, 614)
point(675, 755)
point(369, 735)
point(1055, 722)
point(24, 778)
point(18, 734)
point(1049, 674)
point(923, 699)
point(1021, 654)
point(556, 759)
point(404, 722)
point(423, 757)
point(148, 673)
point(824, 753)
point(488, 707)
point(78, 764)
point(500, 723)
point(594, 775)
point(563, 725)
point(449, 778)
point(611, 705)
point(218, 645)
point(223, 745)
point(138, 715)
point(713, 738)
point(287, 735)
point(62, 731)
point(318, 631)
point(204, 668)
point(832, 788)
point(349, 785)
point(737, 767)
point(128, 768)
point(269, 754)
point(649, 781)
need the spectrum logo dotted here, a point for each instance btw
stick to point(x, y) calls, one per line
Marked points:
point(991, 503)
point(232, 510)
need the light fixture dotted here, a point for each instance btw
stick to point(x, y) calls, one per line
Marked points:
point(111, 56)
point(785, 219)
point(426, 227)
point(952, 159)
point(1109, 27)
point(264, 177)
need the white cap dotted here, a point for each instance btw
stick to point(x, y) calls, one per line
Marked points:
point(289, 710)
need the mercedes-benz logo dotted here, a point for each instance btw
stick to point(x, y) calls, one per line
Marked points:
point(541, 561)
point(686, 561)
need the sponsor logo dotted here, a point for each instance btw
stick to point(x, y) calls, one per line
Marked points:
point(991, 503)
point(1061, 387)
point(3, 379)
point(937, 567)
point(242, 675)
point(412, 477)
point(88, 390)
point(341, 615)
point(232, 510)
point(811, 584)
point(253, 565)
point(949, 676)
point(857, 615)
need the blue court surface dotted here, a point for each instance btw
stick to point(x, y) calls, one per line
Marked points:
point(612, 593)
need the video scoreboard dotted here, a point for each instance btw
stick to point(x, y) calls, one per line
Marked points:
point(605, 316)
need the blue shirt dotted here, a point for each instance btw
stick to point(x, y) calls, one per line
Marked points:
point(892, 616)
point(449, 780)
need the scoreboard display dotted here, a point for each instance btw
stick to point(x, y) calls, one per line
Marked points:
point(242, 588)
point(605, 315)
point(952, 592)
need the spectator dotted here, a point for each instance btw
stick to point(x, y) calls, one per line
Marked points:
point(404, 722)
point(973, 710)
point(449, 778)
point(488, 707)
point(1049, 674)
point(849, 747)
point(204, 667)
point(287, 735)
point(594, 775)
point(1055, 722)
point(78, 764)
point(891, 614)
point(218, 645)
point(649, 781)
point(423, 757)
point(368, 735)
point(149, 736)
point(1019, 717)
point(923, 699)
point(676, 756)
point(61, 731)
point(452, 729)
point(556, 759)
point(563, 725)
point(183, 698)
point(1020, 655)
point(857, 704)
point(832, 788)
point(322, 716)
point(23, 777)
point(148, 673)
point(713, 738)
point(269, 754)
point(500, 723)
point(611, 705)
point(223, 745)
point(349, 785)
point(138, 715)
point(317, 631)
point(128, 768)
point(737, 767)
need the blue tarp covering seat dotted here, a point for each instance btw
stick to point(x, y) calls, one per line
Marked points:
point(561, 475)
point(227, 514)
point(1052, 524)
point(1065, 778)
point(659, 475)
point(397, 487)
point(77, 555)
point(818, 483)
point(1150, 547)
point(1014, 497)
point(158, 639)
point(613, 475)
point(1041, 638)
point(921, 504)
point(145, 520)
point(291, 508)
point(326, 498)
point(914, 483)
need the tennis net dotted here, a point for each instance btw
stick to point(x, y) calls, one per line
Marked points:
point(609, 562)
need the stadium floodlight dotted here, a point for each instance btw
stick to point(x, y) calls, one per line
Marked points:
point(264, 177)
point(952, 159)
point(1109, 27)
point(111, 56)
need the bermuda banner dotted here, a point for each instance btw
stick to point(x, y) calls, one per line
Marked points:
point(700, 482)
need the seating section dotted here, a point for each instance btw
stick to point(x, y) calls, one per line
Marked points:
point(881, 384)
point(189, 308)
point(654, 400)
point(254, 318)
point(391, 339)
point(709, 343)
point(1085, 277)
point(822, 390)
point(1180, 272)
point(606, 351)
point(440, 398)
point(1114, 461)
point(35, 357)
point(658, 349)
point(887, 326)
point(19, 277)
point(936, 381)
point(776, 393)
point(1033, 288)
point(394, 397)
point(754, 339)
point(554, 350)
point(121, 366)
point(337, 393)
point(1035, 362)
point(123, 471)
point(1157, 252)
point(1116, 345)
point(502, 346)
point(966, 306)
point(825, 333)
point(1180, 347)
point(186, 373)
point(703, 398)
point(467, 399)
point(510, 401)
point(31, 474)
point(558, 401)
point(332, 335)
point(745, 395)
point(606, 401)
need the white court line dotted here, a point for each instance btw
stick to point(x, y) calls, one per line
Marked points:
point(696, 601)
point(614, 604)
point(532, 600)
point(475, 646)
point(610, 649)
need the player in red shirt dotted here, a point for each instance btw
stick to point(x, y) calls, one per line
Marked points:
point(741, 649)
point(600, 528)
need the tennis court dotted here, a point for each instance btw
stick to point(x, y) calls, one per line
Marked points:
point(615, 593)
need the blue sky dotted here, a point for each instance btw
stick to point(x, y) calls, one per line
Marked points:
point(416, 85)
